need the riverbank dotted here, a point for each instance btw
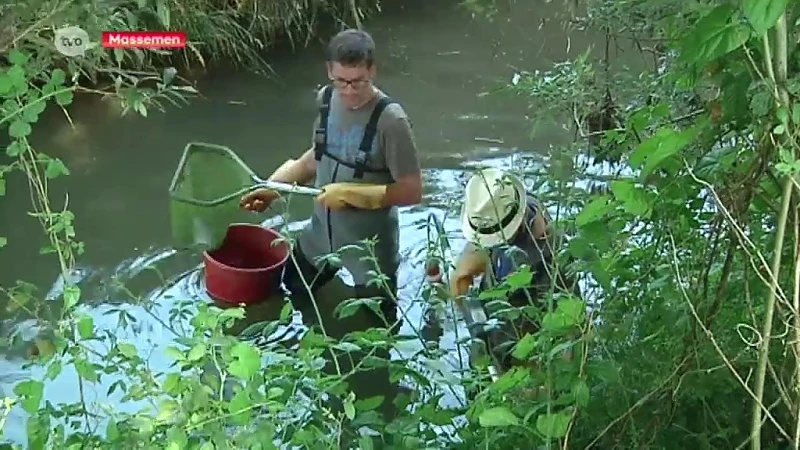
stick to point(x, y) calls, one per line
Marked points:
point(220, 33)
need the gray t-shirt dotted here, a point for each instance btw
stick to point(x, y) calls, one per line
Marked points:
point(393, 148)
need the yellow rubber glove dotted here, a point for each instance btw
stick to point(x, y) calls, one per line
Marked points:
point(356, 195)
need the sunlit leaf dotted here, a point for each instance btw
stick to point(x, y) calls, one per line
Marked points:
point(197, 352)
point(632, 197)
point(762, 14)
point(499, 416)
point(127, 350)
point(247, 361)
point(31, 392)
point(86, 327)
point(86, 370)
point(72, 295)
point(524, 347)
point(240, 407)
point(593, 211)
point(663, 144)
point(718, 33)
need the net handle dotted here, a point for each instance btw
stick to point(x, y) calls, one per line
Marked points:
point(257, 181)
point(215, 202)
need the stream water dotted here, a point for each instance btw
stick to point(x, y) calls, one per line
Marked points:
point(433, 58)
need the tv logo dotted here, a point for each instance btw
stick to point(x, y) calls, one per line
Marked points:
point(71, 41)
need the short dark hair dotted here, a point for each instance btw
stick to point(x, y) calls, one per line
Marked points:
point(352, 48)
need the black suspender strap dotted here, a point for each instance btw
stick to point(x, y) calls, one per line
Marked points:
point(369, 135)
point(321, 133)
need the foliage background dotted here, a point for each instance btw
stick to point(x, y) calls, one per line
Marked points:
point(692, 248)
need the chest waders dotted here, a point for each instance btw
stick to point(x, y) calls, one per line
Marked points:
point(360, 167)
point(362, 157)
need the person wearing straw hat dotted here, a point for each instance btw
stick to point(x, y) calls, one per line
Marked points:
point(505, 228)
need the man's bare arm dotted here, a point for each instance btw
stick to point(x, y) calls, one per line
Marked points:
point(471, 263)
point(405, 191)
point(300, 171)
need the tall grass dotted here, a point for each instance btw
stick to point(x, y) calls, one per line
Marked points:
point(220, 31)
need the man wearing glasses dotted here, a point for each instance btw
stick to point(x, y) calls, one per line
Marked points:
point(364, 157)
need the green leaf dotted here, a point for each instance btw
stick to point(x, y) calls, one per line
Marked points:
point(15, 149)
point(581, 393)
point(31, 392)
point(349, 407)
point(197, 352)
point(524, 347)
point(18, 79)
point(31, 111)
point(715, 35)
point(553, 426)
point(633, 198)
point(168, 75)
point(593, 211)
point(171, 384)
point(55, 168)
point(521, 278)
point(112, 431)
point(572, 309)
point(19, 129)
point(86, 327)
point(240, 407)
point(368, 404)
point(2, 187)
point(286, 311)
point(603, 370)
point(174, 353)
point(17, 58)
point(247, 361)
point(5, 84)
point(663, 144)
point(763, 14)
point(127, 350)
point(58, 77)
point(163, 13)
point(167, 410)
point(71, 296)
point(86, 370)
point(499, 416)
point(3, 241)
point(64, 98)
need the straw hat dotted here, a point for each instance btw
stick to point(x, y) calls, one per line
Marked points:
point(494, 207)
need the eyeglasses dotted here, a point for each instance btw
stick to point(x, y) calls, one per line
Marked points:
point(357, 84)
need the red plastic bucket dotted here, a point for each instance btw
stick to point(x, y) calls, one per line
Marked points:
point(247, 267)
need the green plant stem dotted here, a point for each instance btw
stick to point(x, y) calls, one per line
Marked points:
point(778, 78)
point(796, 313)
point(766, 329)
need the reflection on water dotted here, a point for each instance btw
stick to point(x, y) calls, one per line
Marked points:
point(147, 289)
point(122, 166)
point(150, 286)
